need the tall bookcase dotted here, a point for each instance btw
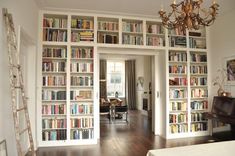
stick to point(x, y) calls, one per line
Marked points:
point(67, 74)
point(187, 100)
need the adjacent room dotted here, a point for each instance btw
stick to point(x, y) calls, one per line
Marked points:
point(121, 78)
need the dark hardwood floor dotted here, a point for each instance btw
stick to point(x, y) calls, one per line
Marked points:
point(120, 139)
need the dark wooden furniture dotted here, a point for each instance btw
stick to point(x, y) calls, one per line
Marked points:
point(120, 111)
point(105, 112)
point(223, 110)
point(113, 109)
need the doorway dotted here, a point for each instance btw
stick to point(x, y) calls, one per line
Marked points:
point(147, 83)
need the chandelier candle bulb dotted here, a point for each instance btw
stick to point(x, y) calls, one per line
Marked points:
point(161, 7)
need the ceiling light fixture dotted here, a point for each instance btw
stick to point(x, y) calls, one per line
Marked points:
point(188, 14)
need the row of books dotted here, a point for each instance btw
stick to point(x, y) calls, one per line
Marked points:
point(177, 93)
point(54, 135)
point(197, 117)
point(178, 106)
point(197, 43)
point(199, 105)
point(155, 29)
point(199, 93)
point(198, 81)
point(82, 23)
point(198, 57)
point(53, 95)
point(54, 80)
point(53, 66)
point(53, 109)
point(82, 36)
point(82, 134)
point(54, 35)
point(178, 118)
point(53, 123)
point(85, 122)
point(80, 67)
point(55, 22)
point(198, 33)
point(178, 129)
point(178, 81)
point(106, 25)
point(178, 69)
point(198, 69)
point(132, 27)
point(54, 52)
point(132, 39)
point(107, 38)
point(80, 109)
point(178, 56)
point(155, 41)
point(80, 94)
point(78, 52)
point(195, 127)
point(177, 42)
point(82, 81)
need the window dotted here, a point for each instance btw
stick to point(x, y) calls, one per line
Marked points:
point(116, 78)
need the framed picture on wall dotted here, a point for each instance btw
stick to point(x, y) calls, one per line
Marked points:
point(230, 70)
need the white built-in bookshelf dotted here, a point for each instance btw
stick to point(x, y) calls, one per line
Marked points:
point(68, 107)
point(188, 89)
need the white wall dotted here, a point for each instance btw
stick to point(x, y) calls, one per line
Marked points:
point(222, 45)
point(143, 69)
point(25, 13)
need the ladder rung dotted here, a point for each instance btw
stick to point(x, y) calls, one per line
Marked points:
point(18, 87)
point(15, 66)
point(24, 130)
point(20, 109)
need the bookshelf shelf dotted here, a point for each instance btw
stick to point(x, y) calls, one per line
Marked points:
point(81, 115)
point(108, 31)
point(76, 29)
point(55, 28)
point(53, 115)
point(53, 86)
point(53, 58)
point(53, 43)
point(177, 62)
point(49, 129)
point(155, 34)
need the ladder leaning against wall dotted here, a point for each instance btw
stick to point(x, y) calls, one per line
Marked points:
point(17, 89)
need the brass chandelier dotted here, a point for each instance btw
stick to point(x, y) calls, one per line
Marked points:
point(188, 14)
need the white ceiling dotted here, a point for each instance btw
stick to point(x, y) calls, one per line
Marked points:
point(133, 7)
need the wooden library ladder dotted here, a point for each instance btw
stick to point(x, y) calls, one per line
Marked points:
point(18, 97)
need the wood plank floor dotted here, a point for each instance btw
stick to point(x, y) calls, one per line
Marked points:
point(120, 139)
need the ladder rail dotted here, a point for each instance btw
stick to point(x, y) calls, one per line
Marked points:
point(17, 84)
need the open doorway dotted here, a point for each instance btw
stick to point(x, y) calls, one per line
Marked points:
point(145, 93)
